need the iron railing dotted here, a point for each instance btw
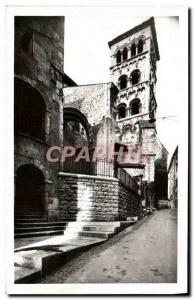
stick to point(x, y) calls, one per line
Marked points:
point(101, 167)
point(128, 181)
point(104, 168)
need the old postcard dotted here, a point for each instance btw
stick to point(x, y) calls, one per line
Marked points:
point(98, 197)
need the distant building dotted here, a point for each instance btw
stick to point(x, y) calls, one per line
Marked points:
point(173, 180)
point(161, 175)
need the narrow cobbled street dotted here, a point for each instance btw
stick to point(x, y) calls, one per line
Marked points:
point(143, 253)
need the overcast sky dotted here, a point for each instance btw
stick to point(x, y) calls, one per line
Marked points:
point(87, 58)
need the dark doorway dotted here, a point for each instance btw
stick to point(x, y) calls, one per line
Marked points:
point(29, 191)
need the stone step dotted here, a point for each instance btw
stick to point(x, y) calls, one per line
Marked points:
point(101, 228)
point(35, 229)
point(31, 264)
point(27, 275)
point(32, 220)
point(40, 224)
point(96, 234)
point(32, 216)
point(37, 259)
point(38, 233)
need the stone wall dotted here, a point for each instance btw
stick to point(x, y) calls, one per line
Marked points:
point(92, 100)
point(129, 203)
point(94, 198)
point(96, 102)
point(173, 180)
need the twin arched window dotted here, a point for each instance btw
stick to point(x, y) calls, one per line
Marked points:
point(120, 54)
point(134, 108)
point(137, 49)
point(134, 79)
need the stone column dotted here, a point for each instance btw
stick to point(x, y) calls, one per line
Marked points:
point(48, 184)
point(47, 125)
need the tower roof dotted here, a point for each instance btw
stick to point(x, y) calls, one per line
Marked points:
point(149, 22)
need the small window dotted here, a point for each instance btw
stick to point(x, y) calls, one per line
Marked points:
point(118, 58)
point(122, 111)
point(140, 46)
point(133, 50)
point(135, 77)
point(125, 53)
point(135, 107)
point(123, 82)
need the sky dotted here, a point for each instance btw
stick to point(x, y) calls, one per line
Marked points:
point(87, 58)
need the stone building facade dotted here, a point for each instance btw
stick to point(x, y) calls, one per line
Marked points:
point(173, 180)
point(38, 83)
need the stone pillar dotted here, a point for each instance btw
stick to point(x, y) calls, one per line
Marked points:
point(48, 184)
point(47, 125)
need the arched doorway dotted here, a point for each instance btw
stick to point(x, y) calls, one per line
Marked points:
point(29, 191)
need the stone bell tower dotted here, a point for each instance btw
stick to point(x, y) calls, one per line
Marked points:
point(133, 70)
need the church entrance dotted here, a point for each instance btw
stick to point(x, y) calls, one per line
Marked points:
point(29, 191)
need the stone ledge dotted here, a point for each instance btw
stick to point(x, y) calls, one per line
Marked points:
point(112, 179)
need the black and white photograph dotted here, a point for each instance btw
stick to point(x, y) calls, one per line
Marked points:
point(99, 197)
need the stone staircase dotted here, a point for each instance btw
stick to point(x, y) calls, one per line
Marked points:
point(35, 260)
point(34, 226)
point(102, 230)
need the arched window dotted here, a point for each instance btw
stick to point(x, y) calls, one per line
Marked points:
point(133, 50)
point(125, 53)
point(135, 107)
point(123, 82)
point(140, 46)
point(121, 111)
point(135, 77)
point(118, 57)
point(29, 110)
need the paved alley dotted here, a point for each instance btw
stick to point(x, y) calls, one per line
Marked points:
point(143, 253)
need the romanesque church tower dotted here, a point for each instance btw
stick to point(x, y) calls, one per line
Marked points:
point(133, 70)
